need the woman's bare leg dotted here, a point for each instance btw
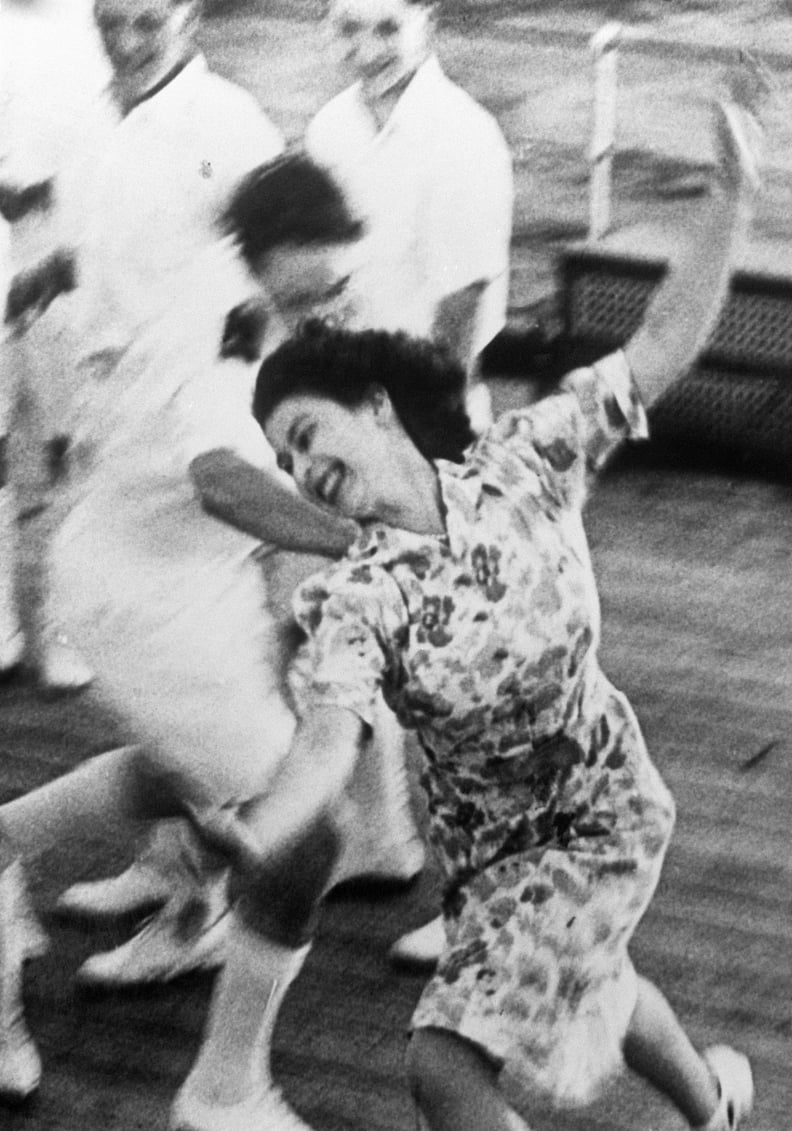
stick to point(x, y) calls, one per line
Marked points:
point(658, 1048)
point(455, 1086)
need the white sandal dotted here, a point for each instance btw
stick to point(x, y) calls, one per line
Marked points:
point(735, 1085)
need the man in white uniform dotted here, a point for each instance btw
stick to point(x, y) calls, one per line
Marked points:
point(428, 169)
point(145, 193)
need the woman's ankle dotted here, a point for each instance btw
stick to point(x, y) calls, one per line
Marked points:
point(224, 1084)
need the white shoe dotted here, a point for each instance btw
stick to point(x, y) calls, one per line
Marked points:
point(62, 670)
point(21, 937)
point(134, 890)
point(159, 952)
point(735, 1083)
point(420, 948)
point(265, 1110)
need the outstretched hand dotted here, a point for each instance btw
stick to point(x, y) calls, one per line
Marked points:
point(684, 310)
point(750, 83)
point(739, 146)
point(739, 136)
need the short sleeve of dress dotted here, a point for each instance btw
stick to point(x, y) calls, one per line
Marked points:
point(353, 617)
point(610, 406)
point(568, 436)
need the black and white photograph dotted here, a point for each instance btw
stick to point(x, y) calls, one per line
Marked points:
point(396, 565)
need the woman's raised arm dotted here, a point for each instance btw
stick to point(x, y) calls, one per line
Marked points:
point(684, 310)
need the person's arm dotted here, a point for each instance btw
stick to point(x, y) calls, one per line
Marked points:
point(455, 322)
point(33, 289)
point(685, 308)
point(468, 234)
point(253, 500)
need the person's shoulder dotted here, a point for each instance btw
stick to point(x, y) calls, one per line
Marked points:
point(337, 131)
point(223, 93)
point(337, 109)
point(229, 110)
point(362, 580)
point(546, 429)
point(462, 114)
point(448, 89)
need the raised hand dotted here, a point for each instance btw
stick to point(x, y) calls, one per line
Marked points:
point(751, 83)
point(739, 146)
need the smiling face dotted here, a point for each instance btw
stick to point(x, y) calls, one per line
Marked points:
point(144, 40)
point(382, 42)
point(338, 456)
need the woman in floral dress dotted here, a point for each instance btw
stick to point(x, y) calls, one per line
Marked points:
point(470, 600)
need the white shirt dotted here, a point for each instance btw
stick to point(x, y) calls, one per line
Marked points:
point(52, 68)
point(144, 197)
point(435, 188)
point(169, 398)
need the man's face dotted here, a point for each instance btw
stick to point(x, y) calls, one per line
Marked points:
point(309, 279)
point(144, 40)
point(382, 42)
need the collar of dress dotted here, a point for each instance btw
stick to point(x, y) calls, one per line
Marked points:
point(461, 489)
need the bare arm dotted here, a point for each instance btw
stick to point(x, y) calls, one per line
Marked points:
point(254, 501)
point(33, 289)
point(455, 323)
point(684, 310)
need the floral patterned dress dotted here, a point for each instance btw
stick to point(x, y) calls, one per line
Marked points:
point(549, 817)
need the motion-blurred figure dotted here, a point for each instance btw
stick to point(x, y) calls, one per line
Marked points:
point(52, 71)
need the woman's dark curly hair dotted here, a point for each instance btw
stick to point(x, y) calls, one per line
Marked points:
point(426, 386)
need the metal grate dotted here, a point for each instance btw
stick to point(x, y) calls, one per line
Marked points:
point(747, 417)
point(605, 306)
point(736, 405)
point(755, 330)
point(604, 300)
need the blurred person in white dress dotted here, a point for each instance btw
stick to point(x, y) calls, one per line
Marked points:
point(162, 145)
point(176, 612)
point(139, 208)
point(52, 69)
